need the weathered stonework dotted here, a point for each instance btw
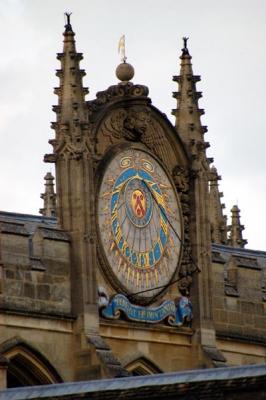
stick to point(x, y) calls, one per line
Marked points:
point(54, 273)
point(36, 268)
point(238, 304)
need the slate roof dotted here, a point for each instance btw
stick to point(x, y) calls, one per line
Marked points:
point(238, 251)
point(8, 216)
point(210, 383)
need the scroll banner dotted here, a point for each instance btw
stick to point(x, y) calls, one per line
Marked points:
point(173, 314)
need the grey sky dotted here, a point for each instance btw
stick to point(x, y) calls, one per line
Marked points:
point(228, 46)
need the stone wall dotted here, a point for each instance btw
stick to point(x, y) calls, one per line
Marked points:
point(169, 349)
point(36, 269)
point(239, 304)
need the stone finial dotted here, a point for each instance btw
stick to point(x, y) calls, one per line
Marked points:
point(124, 72)
point(49, 197)
point(218, 220)
point(235, 229)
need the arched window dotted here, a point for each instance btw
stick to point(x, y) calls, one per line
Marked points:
point(26, 366)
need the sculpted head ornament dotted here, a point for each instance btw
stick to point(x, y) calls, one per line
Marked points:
point(136, 123)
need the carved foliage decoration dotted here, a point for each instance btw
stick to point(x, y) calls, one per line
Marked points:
point(181, 180)
point(70, 143)
point(200, 163)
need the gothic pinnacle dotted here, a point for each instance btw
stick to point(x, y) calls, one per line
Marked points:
point(218, 220)
point(49, 197)
point(235, 229)
point(71, 110)
point(71, 93)
point(187, 112)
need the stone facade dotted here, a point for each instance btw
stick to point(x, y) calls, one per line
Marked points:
point(239, 304)
point(55, 278)
point(36, 259)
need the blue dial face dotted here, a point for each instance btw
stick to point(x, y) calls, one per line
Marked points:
point(139, 221)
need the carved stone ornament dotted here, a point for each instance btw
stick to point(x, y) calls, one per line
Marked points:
point(128, 124)
point(200, 163)
point(134, 124)
point(181, 180)
point(70, 143)
point(114, 92)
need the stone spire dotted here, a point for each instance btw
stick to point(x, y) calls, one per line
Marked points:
point(218, 220)
point(71, 110)
point(198, 235)
point(235, 230)
point(49, 197)
point(72, 141)
point(187, 114)
point(71, 106)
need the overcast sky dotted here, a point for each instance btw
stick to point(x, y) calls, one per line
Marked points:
point(228, 46)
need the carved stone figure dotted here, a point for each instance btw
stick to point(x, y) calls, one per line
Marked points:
point(136, 123)
point(181, 179)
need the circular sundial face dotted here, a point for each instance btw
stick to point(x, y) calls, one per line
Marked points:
point(139, 223)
